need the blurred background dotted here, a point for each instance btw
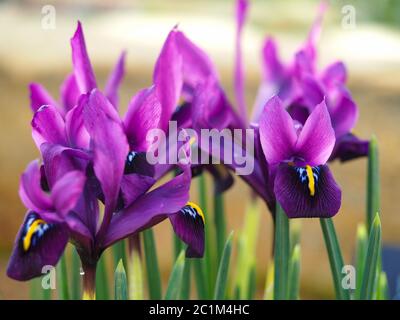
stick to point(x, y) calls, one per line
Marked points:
point(371, 50)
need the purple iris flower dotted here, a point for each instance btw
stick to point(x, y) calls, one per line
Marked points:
point(91, 156)
point(301, 87)
point(297, 156)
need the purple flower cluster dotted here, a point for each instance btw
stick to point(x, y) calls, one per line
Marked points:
point(94, 187)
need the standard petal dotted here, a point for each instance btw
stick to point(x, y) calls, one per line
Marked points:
point(310, 47)
point(317, 138)
point(151, 208)
point(344, 115)
point(30, 190)
point(110, 147)
point(40, 97)
point(313, 93)
point(277, 133)
point(144, 113)
point(78, 136)
point(241, 12)
point(210, 107)
point(38, 244)
point(188, 224)
point(114, 81)
point(334, 75)
point(83, 71)
point(66, 191)
point(168, 79)
point(48, 126)
point(197, 66)
point(273, 69)
point(303, 64)
point(69, 92)
point(301, 199)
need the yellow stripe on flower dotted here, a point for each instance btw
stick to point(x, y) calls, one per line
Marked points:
point(198, 210)
point(311, 181)
point(32, 229)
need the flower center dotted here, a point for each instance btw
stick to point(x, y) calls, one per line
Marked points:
point(311, 181)
point(193, 210)
point(309, 175)
point(34, 230)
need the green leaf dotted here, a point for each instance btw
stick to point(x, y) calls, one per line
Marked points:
point(35, 289)
point(201, 283)
point(294, 273)
point(252, 283)
point(269, 282)
point(223, 270)
point(175, 280)
point(62, 279)
point(119, 252)
point(102, 287)
point(281, 259)
point(178, 245)
point(246, 259)
point(295, 233)
point(361, 253)
point(220, 224)
point(383, 289)
point(371, 261)
point(373, 182)
point(120, 282)
point(185, 293)
point(209, 260)
point(335, 257)
point(152, 269)
point(135, 269)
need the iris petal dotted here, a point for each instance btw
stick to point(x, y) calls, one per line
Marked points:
point(38, 244)
point(303, 195)
point(188, 224)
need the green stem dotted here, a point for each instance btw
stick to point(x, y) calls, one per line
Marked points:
point(373, 183)
point(282, 245)
point(152, 269)
point(223, 270)
point(89, 281)
point(294, 273)
point(102, 285)
point(75, 275)
point(335, 257)
point(361, 252)
point(371, 261)
point(220, 224)
point(62, 279)
point(207, 261)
